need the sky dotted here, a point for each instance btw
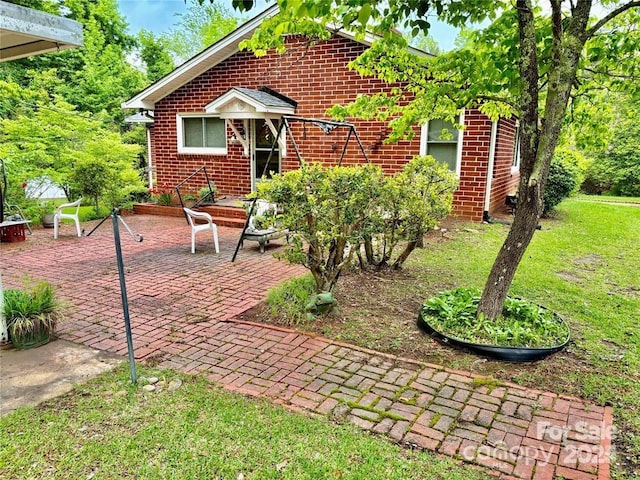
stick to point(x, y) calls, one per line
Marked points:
point(159, 16)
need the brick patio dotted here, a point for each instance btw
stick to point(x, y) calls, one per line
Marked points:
point(183, 312)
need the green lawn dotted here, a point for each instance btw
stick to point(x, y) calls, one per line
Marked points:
point(607, 198)
point(88, 212)
point(108, 429)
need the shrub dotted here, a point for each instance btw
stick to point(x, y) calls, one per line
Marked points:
point(412, 203)
point(597, 179)
point(334, 211)
point(615, 172)
point(564, 179)
point(139, 194)
point(329, 210)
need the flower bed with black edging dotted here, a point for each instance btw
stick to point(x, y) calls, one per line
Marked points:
point(524, 332)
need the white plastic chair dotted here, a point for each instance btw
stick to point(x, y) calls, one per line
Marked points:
point(59, 215)
point(201, 227)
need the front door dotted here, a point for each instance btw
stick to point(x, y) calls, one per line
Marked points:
point(262, 143)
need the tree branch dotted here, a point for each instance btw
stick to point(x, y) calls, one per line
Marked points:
point(611, 74)
point(556, 26)
point(495, 98)
point(613, 14)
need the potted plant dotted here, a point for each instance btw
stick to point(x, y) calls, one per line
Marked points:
point(47, 210)
point(32, 315)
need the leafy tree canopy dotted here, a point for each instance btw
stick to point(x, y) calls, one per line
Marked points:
point(94, 77)
point(483, 70)
point(154, 52)
point(198, 28)
point(50, 138)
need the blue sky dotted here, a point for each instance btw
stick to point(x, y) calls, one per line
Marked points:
point(159, 16)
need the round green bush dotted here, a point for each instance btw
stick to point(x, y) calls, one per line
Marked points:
point(564, 179)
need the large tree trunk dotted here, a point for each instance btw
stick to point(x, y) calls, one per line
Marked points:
point(538, 138)
point(506, 263)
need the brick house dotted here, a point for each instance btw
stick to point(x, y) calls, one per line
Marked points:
point(222, 107)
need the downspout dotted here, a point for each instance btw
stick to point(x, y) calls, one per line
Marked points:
point(149, 162)
point(492, 158)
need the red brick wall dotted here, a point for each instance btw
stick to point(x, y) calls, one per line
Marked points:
point(316, 77)
point(476, 139)
point(504, 180)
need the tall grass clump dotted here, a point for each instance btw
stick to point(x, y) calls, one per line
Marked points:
point(289, 300)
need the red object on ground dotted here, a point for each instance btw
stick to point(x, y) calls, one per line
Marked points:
point(12, 233)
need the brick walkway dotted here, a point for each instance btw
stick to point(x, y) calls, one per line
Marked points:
point(182, 310)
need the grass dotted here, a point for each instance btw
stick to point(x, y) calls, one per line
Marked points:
point(583, 265)
point(109, 429)
point(608, 198)
point(289, 299)
point(88, 212)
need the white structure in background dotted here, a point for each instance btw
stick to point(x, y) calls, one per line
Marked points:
point(43, 188)
point(25, 32)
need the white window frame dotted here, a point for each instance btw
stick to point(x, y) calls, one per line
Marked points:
point(515, 161)
point(424, 137)
point(198, 150)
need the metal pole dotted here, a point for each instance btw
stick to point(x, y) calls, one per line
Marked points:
point(293, 140)
point(4, 333)
point(344, 149)
point(123, 294)
point(149, 161)
point(360, 144)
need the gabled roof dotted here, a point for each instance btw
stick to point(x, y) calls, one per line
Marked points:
point(25, 32)
point(238, 102)
point(212, 56)
point(267, 98)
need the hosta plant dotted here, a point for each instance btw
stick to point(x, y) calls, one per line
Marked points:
point(521, 324)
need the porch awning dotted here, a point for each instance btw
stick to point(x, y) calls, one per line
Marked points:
point(245, 103)
point(25, 32)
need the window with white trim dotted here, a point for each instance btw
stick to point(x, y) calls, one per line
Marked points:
point(202, 134)
point(441, 140)
point(515, 163)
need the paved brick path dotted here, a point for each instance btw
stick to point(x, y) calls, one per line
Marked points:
point(183, 307)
